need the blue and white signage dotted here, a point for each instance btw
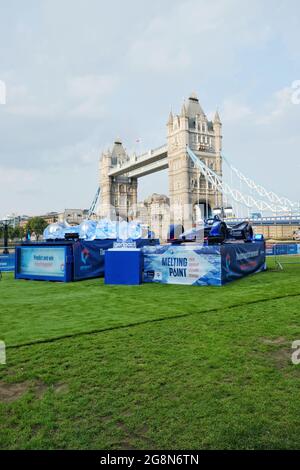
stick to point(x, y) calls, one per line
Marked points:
point(42, 261)
point(201, 265)
point(7, 262)
point(189, 265)
point(125, 244)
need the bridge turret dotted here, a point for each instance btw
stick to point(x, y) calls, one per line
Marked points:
point(119, 155)
point(186, 185)
point(170, 122)
point(171, 117)
point(184, 123)
point(217, 125)
point(183, 112)
point(193, 106)
point(105, 163)
point(217, 119)
point(118, 193)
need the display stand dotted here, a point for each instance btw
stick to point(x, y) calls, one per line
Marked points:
point(123, 266)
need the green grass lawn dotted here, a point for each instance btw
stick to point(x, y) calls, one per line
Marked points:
point(150, 366)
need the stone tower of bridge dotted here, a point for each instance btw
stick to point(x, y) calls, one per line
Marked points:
point(188, 188)
point(118, 194)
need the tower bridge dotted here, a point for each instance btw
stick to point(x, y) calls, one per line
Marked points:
point(192, 155)
point(119, 172)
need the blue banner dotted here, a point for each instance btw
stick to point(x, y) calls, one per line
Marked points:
point(241, 259)
point(47, 262)
point(89, 256)
point(183, 264)
point(282, 249)
point(199, 265)
point(7, 262)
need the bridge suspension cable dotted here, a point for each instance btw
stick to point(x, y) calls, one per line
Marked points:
point(94, 203)
point(271, 201)
point(261, 191)
point(219, 185)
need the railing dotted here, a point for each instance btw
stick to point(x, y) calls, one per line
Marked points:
point(159, 148)
point(267, 220)
point(136, 158)
point(150, 152)
point(11, 246)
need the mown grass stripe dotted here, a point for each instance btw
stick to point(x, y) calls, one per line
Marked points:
point(145, 322)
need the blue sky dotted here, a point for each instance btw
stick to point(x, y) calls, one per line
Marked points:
point(80, 73)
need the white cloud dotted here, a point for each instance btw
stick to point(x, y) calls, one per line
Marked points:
point(280, 108)
point(233, 110)
point(89, 109)
point(90, 93)
point(86, 96)
point(263, 142)
point(198, 32)
point(34, 110)
point(18, 178)
point(83, 153)
point(15, 183)
point(153, 55)
point(21, 101)
point(91, 86)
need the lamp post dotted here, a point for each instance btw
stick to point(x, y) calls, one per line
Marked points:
point(5, 224)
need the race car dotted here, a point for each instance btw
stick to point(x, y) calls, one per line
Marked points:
point(212, 231)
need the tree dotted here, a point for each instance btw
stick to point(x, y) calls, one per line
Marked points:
point(21, 232)
point(36, 225)
point(18, 233)
point(11, 232)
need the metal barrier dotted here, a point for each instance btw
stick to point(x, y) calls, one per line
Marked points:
point(7, 261)
point(282, 250)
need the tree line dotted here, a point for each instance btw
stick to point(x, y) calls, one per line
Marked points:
point(35, 226)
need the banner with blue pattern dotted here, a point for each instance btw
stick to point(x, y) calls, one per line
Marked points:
point(7, 262)
point(200, 265)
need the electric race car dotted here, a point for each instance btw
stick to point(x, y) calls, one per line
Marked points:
point(212, 231)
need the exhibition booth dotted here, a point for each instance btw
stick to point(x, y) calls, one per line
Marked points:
point(123, 255)
point(65, 261)
point(73, 253)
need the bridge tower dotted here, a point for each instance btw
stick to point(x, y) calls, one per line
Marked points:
point(188, 189)
point(118, 193)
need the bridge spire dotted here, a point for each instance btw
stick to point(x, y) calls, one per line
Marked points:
point(193, 106)
point(170, 120)
point(118, 152)
point(183, 111)
point(217, 117)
